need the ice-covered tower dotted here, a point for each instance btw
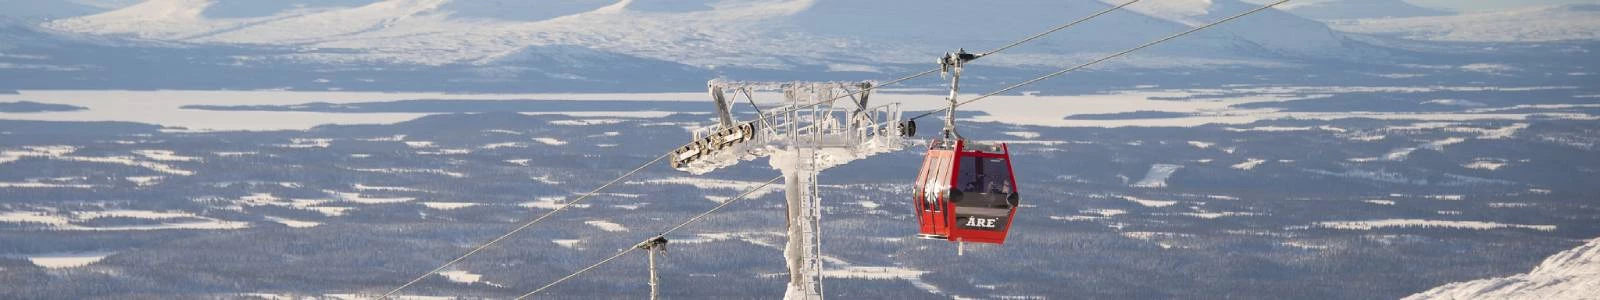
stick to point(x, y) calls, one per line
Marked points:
point(801, 135)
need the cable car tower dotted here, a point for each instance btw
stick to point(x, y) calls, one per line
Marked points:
point(802, 134)
point(965, 191)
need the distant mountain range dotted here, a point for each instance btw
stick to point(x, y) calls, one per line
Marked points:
point(1355, 9)
point(625, 44)
point(766, 34)
point(1573, 22)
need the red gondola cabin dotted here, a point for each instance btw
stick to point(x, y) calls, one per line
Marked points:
point(966, 192)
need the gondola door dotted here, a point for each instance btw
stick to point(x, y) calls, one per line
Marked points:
point(931, 192)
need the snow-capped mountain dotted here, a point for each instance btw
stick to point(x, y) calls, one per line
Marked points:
point(37, 11)
point(1571, 274)
point(1538, 24)
point(761, 34)
point(1356, 9)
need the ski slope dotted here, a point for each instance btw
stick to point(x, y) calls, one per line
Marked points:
point(1571, 274)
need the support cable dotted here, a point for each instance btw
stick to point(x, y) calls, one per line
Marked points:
point(521, 228)
point(1059, 28)
point(696, 218)
point(669, 153)
point(996, 50)
point(1102, 59)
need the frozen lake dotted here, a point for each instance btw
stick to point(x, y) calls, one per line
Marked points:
point(164, 107)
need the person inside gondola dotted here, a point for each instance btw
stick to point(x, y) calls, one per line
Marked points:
point(978, 183)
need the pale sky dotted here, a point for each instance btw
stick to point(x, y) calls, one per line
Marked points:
point(1477, 5)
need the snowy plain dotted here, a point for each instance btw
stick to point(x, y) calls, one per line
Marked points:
point(1234, 184)
point(166, 107)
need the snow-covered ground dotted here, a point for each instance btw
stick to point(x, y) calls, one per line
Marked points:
point(551, 202)
point(550, 141)
point(292, 223)
point(1149, 203)
point(163, 107)
point(1249, 164)
point(734, 186)
point(1379, 201)
point(67, 260)
point(1419, 223)
point(1571, 274)
point(448, 205)
point(606, 225)
point(164, 155)
point(364, 199)
point(461, 276)
point(166, 220)
point(411, 171)
point(64, 153)
point(267, 199)
point(569, 244)
point(1157, 176)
